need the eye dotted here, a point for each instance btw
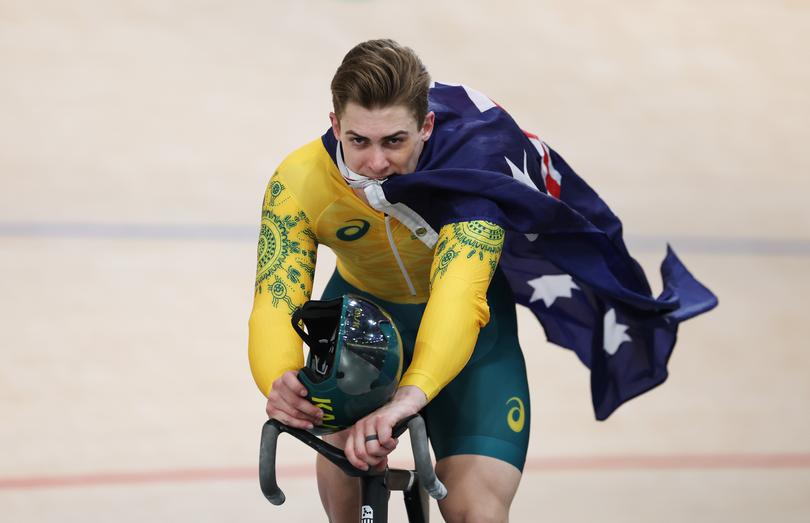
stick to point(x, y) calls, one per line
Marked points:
point(395, 141)
point(356, 140)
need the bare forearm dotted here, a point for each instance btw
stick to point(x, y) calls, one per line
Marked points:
point(410, 398)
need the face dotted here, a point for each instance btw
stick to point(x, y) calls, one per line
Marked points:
point(380, 142)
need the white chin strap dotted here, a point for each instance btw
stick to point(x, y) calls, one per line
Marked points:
point(376, 198)
point(358, 181)
point(355, 180)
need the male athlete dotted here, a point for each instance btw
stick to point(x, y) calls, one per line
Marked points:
point(442, 211)
point(453, 307)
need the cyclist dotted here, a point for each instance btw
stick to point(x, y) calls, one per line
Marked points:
point(452, 304)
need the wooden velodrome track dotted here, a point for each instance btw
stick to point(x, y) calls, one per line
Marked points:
point(136, 138)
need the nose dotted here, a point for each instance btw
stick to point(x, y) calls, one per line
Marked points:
point(378, 163)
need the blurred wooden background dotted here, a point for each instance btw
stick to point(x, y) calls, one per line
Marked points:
point(136, 139)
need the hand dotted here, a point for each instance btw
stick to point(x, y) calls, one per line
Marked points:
point(374, 453)
point(287, 403)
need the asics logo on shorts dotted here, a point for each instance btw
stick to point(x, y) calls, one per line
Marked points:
point(349, 233)
point(516, 417)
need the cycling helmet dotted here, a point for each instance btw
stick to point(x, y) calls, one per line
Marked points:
point(355, 358)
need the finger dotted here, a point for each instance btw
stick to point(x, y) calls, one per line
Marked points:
point(390, 446)
point(379, 467)
point(277, 403)
point(372, 451)
point(277, 408)
point(384, 428)
point(364, 430)
point(359, 441)
point(302, 406)
point(290, 379)
point(288, 420)
point(373, 448)
point(350, 453)
point(296, 393)
point(285, 414)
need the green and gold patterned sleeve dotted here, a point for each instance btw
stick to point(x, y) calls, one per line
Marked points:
point(464, 262)
point(285, 270)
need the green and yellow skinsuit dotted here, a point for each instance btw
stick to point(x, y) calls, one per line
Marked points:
point(440, 299)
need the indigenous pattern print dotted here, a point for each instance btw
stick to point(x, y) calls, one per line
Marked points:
point(476, 240)
point(287, 249)
point(444, 257)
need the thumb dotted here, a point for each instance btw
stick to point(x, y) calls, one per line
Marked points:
point(382, 465)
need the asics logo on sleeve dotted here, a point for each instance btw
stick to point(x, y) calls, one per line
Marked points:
point(355, 231)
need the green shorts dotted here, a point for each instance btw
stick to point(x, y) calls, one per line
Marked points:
point(485, 409)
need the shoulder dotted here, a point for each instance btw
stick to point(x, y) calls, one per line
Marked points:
point(473, 132)
point(308, 161)
point(458, 99)
point(308, 174)
point(461, 108)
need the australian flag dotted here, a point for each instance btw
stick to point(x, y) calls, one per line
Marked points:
point(564, 255)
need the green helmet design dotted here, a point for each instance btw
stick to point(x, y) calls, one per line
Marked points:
point(355, 358)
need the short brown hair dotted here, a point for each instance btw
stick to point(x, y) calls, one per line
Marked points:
point(381, 73)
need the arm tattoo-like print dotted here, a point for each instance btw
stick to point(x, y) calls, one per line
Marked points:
point(478, 241)
point(287, 249)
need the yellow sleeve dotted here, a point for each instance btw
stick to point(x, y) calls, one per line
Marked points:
point(285, 269)
point(464, 261)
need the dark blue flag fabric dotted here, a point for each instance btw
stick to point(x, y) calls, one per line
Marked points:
point(564, 255)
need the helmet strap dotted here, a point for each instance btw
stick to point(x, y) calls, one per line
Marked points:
point(321, 319)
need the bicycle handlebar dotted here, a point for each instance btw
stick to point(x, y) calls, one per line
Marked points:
point(421, 457)
point(419, 444)
point(267, 464)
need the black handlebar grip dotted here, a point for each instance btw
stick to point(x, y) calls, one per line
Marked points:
point(400, 428)
point(267, 464)
point(421, 458)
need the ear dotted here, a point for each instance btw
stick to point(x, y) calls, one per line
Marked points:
point(335, 125)
point(427, 126)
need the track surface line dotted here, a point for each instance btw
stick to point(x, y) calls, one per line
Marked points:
point(533, 464)
point(723, 245)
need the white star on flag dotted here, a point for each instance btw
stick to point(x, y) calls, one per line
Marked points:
point(549, 288)
point(521, 176)
point(524, 178)
point(614, 334)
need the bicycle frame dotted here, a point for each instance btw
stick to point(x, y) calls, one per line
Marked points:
point(375, 486)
